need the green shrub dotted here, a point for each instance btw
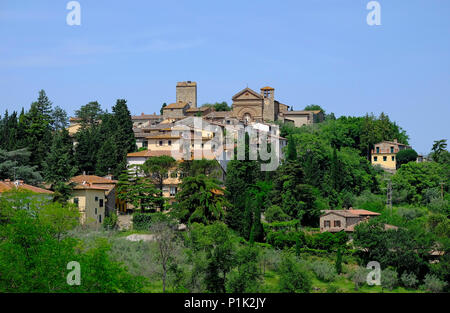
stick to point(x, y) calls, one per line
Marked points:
point(280, 239)
point(389, 279)
point(324, 271)
point(410, 213)
point(293, 278)
point(143, 221)
point(359, 277)
point(433, 284)
point(333, 289)
point(409, 280)
point(110, 222)
point(326, 241)
point(275, 213)
point(370, 201)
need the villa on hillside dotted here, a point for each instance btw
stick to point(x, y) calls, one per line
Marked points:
point(385, 154)
point(345, 220)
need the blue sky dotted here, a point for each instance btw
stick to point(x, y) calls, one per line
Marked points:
point(310, 51)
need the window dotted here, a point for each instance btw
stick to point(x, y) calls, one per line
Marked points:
point(385, 158)
point(76, 201)
point(96, 198)
point(160, 143)
point(100, 218)
point(375, 158)
point(173, 191)
point(170, 142)
point(173, 174)
point(228, 122)
point(145, 144)
point(327, 223)
point(203, 145)
point(337, 223)
point(101, 203)
point(378, 149)
point(393, 158)
point(95, 211)
point(392, 149)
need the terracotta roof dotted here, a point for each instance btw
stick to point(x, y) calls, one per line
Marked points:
point(344, 213)
point(176, 105)
point(351, 213)
point(393, 143)
point(89, 186)
point(363, 212)
point(168, 136)
point(247, 90)
point(7, 185)
point(200, 109)
point(149, 153)
point(218, 114)
point(92, 179)
point(267, 88)
point(303, 112)
point(146, 116)
point(188, 83)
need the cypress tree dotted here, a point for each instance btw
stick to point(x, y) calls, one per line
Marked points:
point(339, 261)
point(59, 164)
point(291, 151)
point(125, 140)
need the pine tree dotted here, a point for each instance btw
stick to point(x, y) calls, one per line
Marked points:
point(39, 129)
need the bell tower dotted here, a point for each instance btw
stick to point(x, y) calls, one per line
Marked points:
point(268, 95)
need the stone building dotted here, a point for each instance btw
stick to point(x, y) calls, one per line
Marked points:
point(337, 220)
point(187, 92)
point(175, 110)
point(346, 220)
point(249, 106)
point(300, 118)
point(146, 120)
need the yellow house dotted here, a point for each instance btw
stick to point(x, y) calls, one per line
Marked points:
point(91, 201)
point(385, 154)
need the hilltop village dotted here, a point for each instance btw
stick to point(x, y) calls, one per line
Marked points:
point(251, 197)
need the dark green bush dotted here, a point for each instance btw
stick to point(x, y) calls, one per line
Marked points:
point(143, 221)
point(110, 222)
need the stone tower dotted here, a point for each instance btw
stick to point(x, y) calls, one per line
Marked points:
point(187, 92)
point(269, 112)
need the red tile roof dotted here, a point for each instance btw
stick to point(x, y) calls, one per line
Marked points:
point(93, 179)
point(7, 185)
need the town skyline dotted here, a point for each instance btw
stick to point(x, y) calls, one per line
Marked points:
point(316, 54)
